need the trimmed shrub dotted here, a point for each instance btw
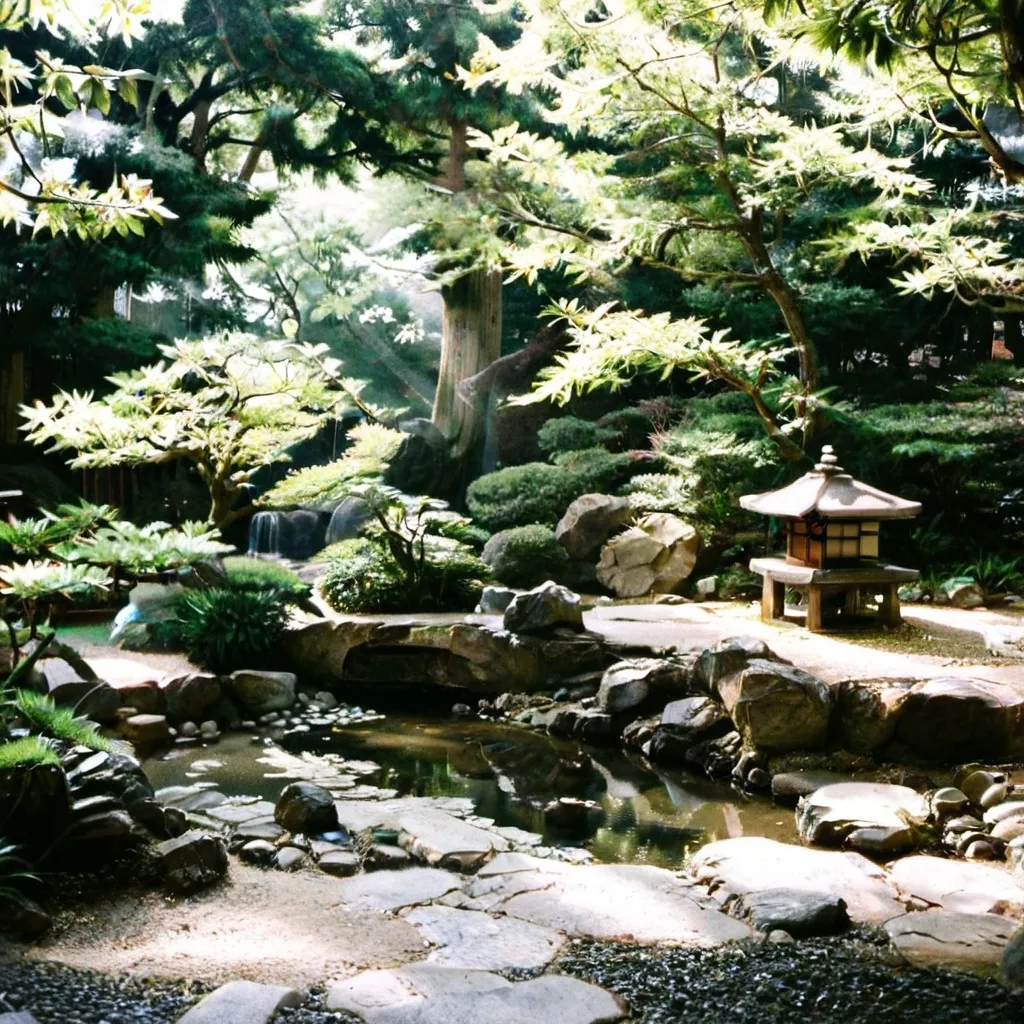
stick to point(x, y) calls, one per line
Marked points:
point(25, 752)
point(537, 492)
point(363, 576)
point(525, 556)
point(627, 429)
point(224, 630)
point(256, 574)
point(569, 434)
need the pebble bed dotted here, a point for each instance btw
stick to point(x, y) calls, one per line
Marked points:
point(845, 980)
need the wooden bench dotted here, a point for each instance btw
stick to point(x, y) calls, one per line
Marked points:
point(778, 574)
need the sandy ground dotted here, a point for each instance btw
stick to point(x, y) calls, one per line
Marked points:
point(268, 926)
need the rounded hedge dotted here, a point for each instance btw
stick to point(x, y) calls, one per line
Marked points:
point(525, 556)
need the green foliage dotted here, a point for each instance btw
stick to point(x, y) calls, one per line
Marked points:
point(456, 527)
point(995, 574)
point(538, 492)
point(363, 576)
point(248, 574)
point(154, 548)
point(26, 751)
point(569, 434)
point(43, 716)
point(628, 428)
point(225, 630)
point(525, 556)
point(372, 447)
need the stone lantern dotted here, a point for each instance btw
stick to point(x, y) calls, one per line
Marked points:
point(832, 534)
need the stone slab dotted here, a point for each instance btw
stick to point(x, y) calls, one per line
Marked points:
point(965, 887)
point(933, 938)
point(426, 994)
point(748, 864)
point(242, 1002)
point(471, 939)
point(392, 890)
point(17, 1018)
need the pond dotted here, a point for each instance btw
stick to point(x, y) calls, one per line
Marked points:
point(642, 814)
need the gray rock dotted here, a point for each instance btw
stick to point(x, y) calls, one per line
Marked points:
point(388, 857)
point(22, 917)
point(192, 861)
point(964, 888)
point(953, 719)
point(961, 592)
point(258, 851)
point(655, 556)
point(260, 692)
point(948, 801)
point(777, 707)
point(471, 939)
point(788, 787)
point(800, 912)
point(1013, 960)
point(428, 994)
point(696, 718)
point(340, 863)
point(977, 783)
point(589, 521)
point(707, 586)
point(873, 818)
point(389, 891)
point(190, 696)
point(995, 794)
point(17, 1018)
point(494, 600)
point(627, 685)
point(108, 825)
point(867, 711)
point(544, 608)
point(147, 730)
point(726, 658)
point(306, 808)
point(242, 1002)
point(290, 858)
point(933, 938)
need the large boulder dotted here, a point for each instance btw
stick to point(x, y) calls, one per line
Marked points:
point(260, 692)
point(494, 600)
point(695, 718)
point(628, 685)
point(726, 658)
point(544, 608)
point(192, 861)
point(954, 720)
point(305, 808)
point(589, 521)
point(867, 711)
point(778, 707)
point(317, 651)
point(871, 817)
point(654, 556)
point(189, 696)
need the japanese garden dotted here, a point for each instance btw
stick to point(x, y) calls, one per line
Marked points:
point(511, 510)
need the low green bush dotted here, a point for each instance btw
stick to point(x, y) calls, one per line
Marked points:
point(25, 752)
point(363, 576)
point(44, 717)
point(256, 574)
point(223, 630)
point(538, 492)
point(525, 556)
point(629, 429)
point(570, 434)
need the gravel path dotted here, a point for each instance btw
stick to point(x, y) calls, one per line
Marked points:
point(847, 980)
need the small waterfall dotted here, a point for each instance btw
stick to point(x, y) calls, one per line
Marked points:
point(347, 519)
point(265, 533)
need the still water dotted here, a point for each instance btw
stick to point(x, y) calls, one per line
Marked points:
point(643, 815)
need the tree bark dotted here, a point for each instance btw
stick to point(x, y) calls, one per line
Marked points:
point(470, 342)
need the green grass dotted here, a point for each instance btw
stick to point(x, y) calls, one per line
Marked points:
point(45, 717)
point(28, 751)
point(256, 574)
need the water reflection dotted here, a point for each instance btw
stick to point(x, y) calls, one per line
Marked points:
point(611, 801)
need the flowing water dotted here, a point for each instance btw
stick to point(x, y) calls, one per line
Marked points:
point(265, 533)
point(642, 814)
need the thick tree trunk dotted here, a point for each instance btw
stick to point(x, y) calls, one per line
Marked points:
point(470, 342)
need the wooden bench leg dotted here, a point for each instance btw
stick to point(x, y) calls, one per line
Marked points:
point(773, 599)
point(889, 613)
point(814, 608)
point(851, 601)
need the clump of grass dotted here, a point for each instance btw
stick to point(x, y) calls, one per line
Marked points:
point(255, 574)
point(45, 717)
point(26, 752)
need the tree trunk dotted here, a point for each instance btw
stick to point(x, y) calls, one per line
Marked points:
point(470, 342)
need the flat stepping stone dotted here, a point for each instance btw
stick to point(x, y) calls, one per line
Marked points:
point(932, 938)
point(622, 901)
point(233, 814)
point(424, 994)
point(242, 1002)
point(469, 938)
point(17, 1018)
point(797, 911)
point(392, 890)
point(749, 864)
point(965, 887)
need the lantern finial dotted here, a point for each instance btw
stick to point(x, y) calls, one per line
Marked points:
point(829, 461)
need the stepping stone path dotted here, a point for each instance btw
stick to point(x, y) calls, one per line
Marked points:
point(242, 1002)
point(424, 994)
point(960, 886)
point(933, 937)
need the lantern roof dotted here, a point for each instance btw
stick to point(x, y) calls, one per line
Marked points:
point(830, 492)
